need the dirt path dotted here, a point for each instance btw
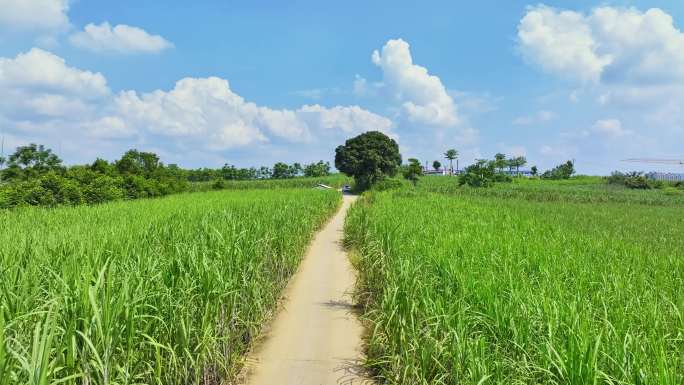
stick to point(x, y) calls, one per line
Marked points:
point(316, 337)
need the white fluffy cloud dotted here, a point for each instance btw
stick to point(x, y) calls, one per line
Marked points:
point(39, 85)
point(423, 96)
point(118, 39)
point(349, 119)
point(609, 45)
point(34, 15)
point(40, 70)
point(47, 100)
point(611, 127)
point(207, 110)
point(629, 61)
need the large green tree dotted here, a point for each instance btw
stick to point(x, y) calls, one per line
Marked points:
point(135, 162)
point(30, 162)
point(368, 158)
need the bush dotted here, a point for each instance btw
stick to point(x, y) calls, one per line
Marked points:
point(500, 177)
point(634, 180)
point(638, 182)
point(617, 178)
point(62, 191)
point(563, 171)
point(389, 184)
point(103, 189)
point(480, 174)
point(218, 184)
point(673, 191)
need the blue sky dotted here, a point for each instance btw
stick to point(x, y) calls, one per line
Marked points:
point(265, 81)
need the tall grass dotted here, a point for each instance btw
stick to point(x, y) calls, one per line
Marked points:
point(166, 291)
point(334, 180)
point(577, 189)
point(482, 290)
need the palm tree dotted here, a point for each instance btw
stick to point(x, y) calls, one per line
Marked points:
point(451, 154)
point(500, 161)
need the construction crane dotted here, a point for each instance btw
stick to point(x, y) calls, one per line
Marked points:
point(676, 162)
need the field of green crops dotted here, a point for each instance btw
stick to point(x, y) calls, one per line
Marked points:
point(585, 189)
point(334, 180)
point(521, 284)
point(164, 291)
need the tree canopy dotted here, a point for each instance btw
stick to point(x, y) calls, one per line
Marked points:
point(562, 171)
point(368, 158)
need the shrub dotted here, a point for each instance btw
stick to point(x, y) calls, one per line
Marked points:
point(500, 177)
point(218, 184)
point(673, 191)
point(389, 184)
point(637, 182)
point(61, 190)
point(563, 171)
point(103, 189)
point(480, 174)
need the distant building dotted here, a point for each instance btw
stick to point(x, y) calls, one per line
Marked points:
point(444, 171)
point(666, 176)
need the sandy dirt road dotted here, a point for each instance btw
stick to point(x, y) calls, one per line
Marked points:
point(316, 338)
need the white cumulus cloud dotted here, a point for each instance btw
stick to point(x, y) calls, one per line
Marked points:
point(39, 84)
point(609, 45)
point(46, 100)
point(121, 38)
point(34, 15)
point(348, 119)
point(423, 96)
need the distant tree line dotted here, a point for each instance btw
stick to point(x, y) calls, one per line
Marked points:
point(35, 176)
point(278, 171)
point(637, 180)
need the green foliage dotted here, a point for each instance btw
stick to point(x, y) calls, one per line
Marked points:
point(413, 170)
point(436, 165)
point(103, 188)
point(35, 177)
point(634, 180)
point(317, 170)
point(369, 158)
point(563, 171)
point(480, 174)
point(29, 162)
point(219, 184)
point(166, 291)
point(578, 189)
point(516, 163)
point(512, 291)
point(389, 184)
point(451, 155)
point(230, 172)
point(500, 161)
point(285, 171)
point(534, 170)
